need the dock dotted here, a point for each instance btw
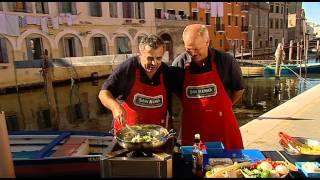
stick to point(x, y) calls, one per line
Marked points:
point(300, 116)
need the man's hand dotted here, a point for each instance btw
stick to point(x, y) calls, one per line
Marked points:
point(119, 114)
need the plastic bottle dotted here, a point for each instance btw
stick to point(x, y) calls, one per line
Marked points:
point(197, 157)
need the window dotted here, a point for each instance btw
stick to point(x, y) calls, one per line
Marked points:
point(158, 13)
point(250, 44)
point(277, 9)
point(139, 10)
point(208, 18)
point(287, 11)
point(221, 43)
point(34, 48)
point(99, 46)
point(236, 21)
point(71, 46)
point(277, 24)
point(229, 20)
point(95, 9)
point(133, 10)
point(195, 15)
point(281, 23)
point(281, 10)
point(218, 20)
point(123, 46)
point(67, 7)
point(275, 42)
point(260, 44)
point(271, 8)
point(113, 9)
point(271, 23)
point(242, 43)
point(20, 7)
point(128, 9)
point(3, 51)
point(242, 21)
point(42, 7)
point(171, 11)
point(181, 13)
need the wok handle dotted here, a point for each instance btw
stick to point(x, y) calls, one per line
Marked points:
point(171, 133)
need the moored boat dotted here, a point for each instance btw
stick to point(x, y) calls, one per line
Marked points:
point(290, 69)
point(63, 153)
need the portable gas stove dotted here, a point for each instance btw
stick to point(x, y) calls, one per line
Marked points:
point(125, 163)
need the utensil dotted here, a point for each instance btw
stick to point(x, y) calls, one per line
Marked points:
point(291, 166)
point(125, 135)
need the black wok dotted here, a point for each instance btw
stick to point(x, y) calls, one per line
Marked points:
point(125, 135)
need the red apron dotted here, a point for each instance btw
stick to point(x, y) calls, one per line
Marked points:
point(145, 104)
point(207, 110)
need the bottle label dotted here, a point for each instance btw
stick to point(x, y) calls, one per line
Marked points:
point(194, 162)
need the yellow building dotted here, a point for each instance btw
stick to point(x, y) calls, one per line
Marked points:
point(77, 29)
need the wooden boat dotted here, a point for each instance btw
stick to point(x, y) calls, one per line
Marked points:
point(290, 69)
point(63, 153)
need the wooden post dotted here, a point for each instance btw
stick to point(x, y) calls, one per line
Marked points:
point(6, 163)
point(318, 53)
point(241, 49)
point(298, 51)
point(252, 43)
point(279, 56)
point(290, 51)
point(48, 76)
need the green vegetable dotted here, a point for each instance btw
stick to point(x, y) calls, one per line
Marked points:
point(266, 174)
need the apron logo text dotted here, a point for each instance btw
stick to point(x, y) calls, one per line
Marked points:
point(148, 101)
point(201, 91)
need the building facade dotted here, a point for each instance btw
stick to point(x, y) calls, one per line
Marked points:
point(295, 21)
point(278, 23)
point(77, 29)
point(258, 26)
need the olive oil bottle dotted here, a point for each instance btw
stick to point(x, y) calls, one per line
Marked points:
point(197, 157)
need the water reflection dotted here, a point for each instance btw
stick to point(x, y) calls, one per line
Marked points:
point(80, 109)
point(265, 93)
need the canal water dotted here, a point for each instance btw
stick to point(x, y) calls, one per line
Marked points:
point(80, 109)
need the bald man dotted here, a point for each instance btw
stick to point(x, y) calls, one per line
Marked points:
point(209, 82)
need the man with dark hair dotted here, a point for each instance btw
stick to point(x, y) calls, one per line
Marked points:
point(137, 91)
point(208, 83)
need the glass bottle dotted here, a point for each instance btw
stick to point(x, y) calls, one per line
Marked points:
point(197, 157)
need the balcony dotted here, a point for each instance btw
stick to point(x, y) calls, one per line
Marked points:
point(244, 28)
point(174, 21)
point(219, 27)
point(244, 7)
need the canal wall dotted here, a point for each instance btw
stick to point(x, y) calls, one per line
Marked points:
point(299, 116)
point(28, 73)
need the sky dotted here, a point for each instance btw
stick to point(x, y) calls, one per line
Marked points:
point(312, 10)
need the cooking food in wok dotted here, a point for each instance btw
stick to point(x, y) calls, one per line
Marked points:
point(143, 136)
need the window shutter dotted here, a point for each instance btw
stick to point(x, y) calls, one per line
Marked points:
point(104, 45)
point(60, 7)
point(73, 8)
point(38, 7)
point(4, 51)
point(28, 7)
point(11, 6)
point(46, 8)
point(141, 10)
point(29, 49)
point(77, 47)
